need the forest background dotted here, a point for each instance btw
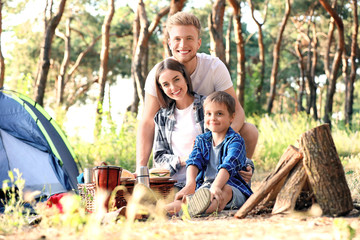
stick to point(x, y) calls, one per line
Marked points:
point(294, 65)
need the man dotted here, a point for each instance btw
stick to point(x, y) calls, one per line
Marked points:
point(208, 74)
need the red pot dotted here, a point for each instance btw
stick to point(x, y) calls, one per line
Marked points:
point(107, 177)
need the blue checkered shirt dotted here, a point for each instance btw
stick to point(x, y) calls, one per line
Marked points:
point(164, 126)
point(232, 158)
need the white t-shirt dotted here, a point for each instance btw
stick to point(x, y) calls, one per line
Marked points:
point(209, 76)
point(183, 137)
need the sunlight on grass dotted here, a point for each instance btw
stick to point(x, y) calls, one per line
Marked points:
point(276, 133)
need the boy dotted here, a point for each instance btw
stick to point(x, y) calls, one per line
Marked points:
point(214, 164)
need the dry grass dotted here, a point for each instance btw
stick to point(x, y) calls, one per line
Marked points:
point(74, 223)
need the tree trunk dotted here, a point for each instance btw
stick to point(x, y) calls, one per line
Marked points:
point(62, 77)
point(240, 52)
point(325, 172)
point(349, 101)
point(287, 161)
point(276, 57)
point(330, 38)
point(336, 63)
point(311, 73)
point(136, 32)
point(302, 74)
point(261, 49)
point(2, 62)
point(142, 33)
point(104, 58)
point(175, 6)
point(286, 199)
point(228, 43)
point(44, 60)
point(215, 24)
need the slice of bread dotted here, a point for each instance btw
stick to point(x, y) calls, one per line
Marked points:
point(127, 174)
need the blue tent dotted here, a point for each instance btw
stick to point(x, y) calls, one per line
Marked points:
point(31, 141)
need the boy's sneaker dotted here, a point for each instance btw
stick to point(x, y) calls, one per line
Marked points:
point(199, 202)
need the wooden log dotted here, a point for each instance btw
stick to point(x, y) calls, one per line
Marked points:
point(268, 201)
point(325, 172)
point(286, 199)
point(290, 158)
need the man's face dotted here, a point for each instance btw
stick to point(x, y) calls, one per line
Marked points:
point(184, 42)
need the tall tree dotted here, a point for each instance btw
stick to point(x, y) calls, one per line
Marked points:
point(311, 67)
point(349, 96)
point(276, 57)
point(240, 51)
point(2, 62)
point(261, 47)
point(44, 60)
point(175, 6)
point(302, 73)
point(336, 62)
point(139, 61)
point(216, 31)
point(62, 77)
point(104, 58)
point(228, 42)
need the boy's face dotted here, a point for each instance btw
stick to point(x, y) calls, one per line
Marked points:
point(217, 117)
point(184, 42)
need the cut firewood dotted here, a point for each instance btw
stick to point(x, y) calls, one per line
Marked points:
point(290, 158)
point(268, 201)
point(325, 171)
point(286, 199)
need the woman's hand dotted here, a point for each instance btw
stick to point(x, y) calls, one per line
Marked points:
point(183, 161)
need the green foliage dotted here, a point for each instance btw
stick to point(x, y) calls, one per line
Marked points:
point(113, 147)
point(276, 133)
point(14, 217)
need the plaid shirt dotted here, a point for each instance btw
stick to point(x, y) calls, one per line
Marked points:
point(232, 158)
point(164, 127)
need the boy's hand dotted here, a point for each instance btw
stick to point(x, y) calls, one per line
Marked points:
point(246, 175)
point(188, 189)
point(216, 193)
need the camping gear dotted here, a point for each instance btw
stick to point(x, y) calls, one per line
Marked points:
point(88, 175)
point(163, 188)
point(143, 176)
point(31, 141)
point(107, 177)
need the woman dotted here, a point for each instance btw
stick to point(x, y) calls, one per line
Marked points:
point(179, 120)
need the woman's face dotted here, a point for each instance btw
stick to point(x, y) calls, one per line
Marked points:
point(173, 84)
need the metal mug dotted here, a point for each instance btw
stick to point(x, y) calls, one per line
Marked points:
point(143, 176)
point(88, 175)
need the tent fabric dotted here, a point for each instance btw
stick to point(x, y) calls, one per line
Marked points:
point(31, 141)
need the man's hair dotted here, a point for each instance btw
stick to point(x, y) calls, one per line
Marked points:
point(222, 97)
point(174, 65)
point(183, 18)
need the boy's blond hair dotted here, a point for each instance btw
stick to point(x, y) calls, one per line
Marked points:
point(222, 97)
point(183, 18)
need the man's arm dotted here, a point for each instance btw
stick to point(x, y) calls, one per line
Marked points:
point(239, 112)
point(146, 129)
